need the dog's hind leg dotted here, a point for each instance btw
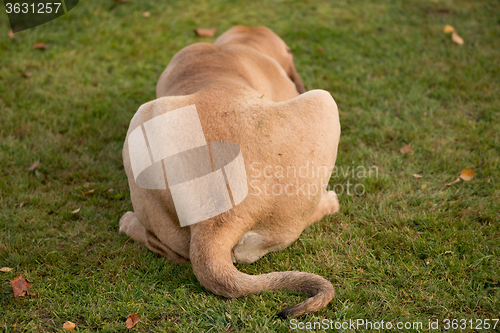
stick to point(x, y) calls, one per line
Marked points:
point(253, 245)
point(328, 204)
point(132, 227)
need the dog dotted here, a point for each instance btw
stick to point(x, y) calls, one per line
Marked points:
point(246, 91)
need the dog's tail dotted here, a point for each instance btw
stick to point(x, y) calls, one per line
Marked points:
point(210, 256)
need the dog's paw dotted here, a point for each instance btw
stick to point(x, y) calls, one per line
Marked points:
point(331, 202)
point(249, 249)
point(132, 227)
point(126, 222)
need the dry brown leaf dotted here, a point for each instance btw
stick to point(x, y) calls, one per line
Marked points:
point(448, 29)
point(146, 14)
point(11, 35)
point(416, 175)
point(40, 45)
point(28, 74)
point(21, 286)
point(132, 320)
point(453, 182)
point(5, 269)
point(34, 165)
point(467, 174)
point(89, 192)
point(456, 38)
point(69, 326)
point(205, 32)
point(406, 149)
point(75, 211)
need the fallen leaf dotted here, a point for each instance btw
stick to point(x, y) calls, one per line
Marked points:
point(406, 149)
point(5, 269)
point(448, 29)
point(21, 286)
point(40, 45)
point(467, 174)
point(416, 175)
point(28, 74)
point(456, 38)
point(146, 14)
point(69, 326)
point(34, 165)
point(11, 35)
point(453, 182)
point(205, 32)
point(423, 187)
point(132, 320)
point(75, 211)
point(88, 192)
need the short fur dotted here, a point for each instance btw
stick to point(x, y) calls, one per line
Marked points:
point(246, 90)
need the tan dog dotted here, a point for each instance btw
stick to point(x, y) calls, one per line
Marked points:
point(246, 91)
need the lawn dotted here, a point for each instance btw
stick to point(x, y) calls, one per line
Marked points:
point(401, 249)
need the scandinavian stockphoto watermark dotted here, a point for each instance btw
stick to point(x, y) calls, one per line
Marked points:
point(170, 151)
point(299, 180)
point(377, 325)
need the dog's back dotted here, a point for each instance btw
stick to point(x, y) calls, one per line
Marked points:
point(244, 96)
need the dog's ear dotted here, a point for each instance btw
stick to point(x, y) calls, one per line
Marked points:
point(294, 76)
point(298, 82)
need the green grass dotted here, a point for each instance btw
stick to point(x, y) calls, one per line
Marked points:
point(397, 79)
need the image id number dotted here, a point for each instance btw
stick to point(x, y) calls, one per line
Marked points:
point(473, 324)
point(40, 8)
